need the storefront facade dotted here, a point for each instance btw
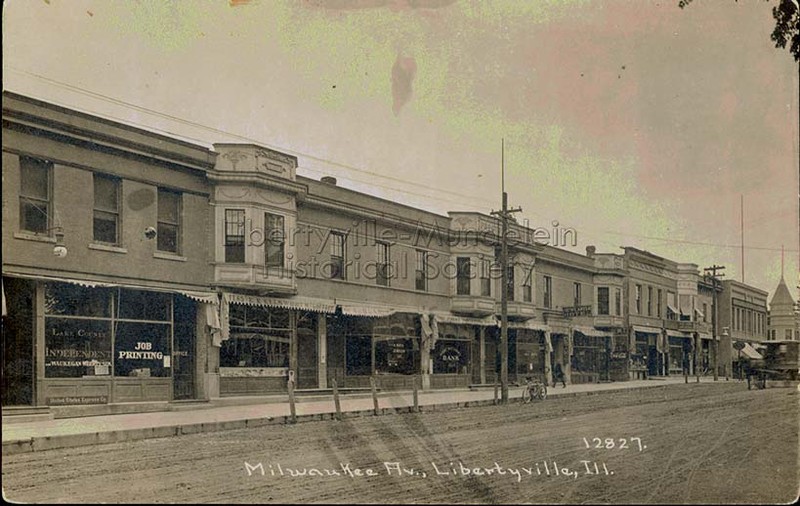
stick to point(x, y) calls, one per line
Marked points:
point(105, 276)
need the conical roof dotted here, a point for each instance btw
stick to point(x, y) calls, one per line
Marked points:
point(782, 297)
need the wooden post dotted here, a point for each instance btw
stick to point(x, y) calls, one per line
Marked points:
point(374, 394)
point(416, 396)
point(293, 417)
point(495, 388)
point(336, 399)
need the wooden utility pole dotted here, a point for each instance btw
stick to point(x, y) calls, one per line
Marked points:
point(504, 214)
point(714, 277)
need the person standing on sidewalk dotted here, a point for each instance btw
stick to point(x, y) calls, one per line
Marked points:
point(558, 375)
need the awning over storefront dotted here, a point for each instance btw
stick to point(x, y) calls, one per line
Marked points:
point(356, 309)
point(591, 331)
point(299, 303)
point(678, 334)
point(646, 330)
point(79, 282)
point(703, 335)
point(530, 325)
point(204, 297)
point(751, 352)
point(443, 317)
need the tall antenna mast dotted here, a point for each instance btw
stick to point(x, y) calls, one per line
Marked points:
point(742, 227)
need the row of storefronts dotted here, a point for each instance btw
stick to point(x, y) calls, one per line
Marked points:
point(140, 268)
point(83, 342)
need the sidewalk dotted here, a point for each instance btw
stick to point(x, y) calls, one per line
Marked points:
point(70, 432)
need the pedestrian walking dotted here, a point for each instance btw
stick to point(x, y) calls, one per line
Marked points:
point(558, 375)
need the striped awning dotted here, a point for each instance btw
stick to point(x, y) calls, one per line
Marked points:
point(366, 310)
point(443, 317)
point(299, 303)
point(530, 325)
point(646, 330)
point(751, 352)
point(204, 297)
point(591, 331)
point(678, 334)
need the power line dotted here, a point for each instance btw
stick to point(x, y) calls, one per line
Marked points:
point(438, 197)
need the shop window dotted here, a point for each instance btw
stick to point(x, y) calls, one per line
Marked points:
point(274, 240)
point(142, 349)
point(260, 337)
point(602, 300)
point(253, 349)
point(463, 275)
point(421, 275)
point(62, 299)
point(106, 209)
point(34, 195)
point(169, 221)
point(338, 252)
point(395, 356)
point(358, 355)
point(451, 357)
point(142, 305)
point(77, 347)
point(234, 235)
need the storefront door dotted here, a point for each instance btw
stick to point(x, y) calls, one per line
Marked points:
point(18, 332)
point(184, 353)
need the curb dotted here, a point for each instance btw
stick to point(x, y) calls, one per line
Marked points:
point(43, 443)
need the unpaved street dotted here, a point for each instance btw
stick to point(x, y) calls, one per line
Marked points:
point(710, 443)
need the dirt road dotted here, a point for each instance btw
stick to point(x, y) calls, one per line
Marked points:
point(710, 443)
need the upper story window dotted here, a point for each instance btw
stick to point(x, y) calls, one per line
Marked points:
point(602, 300)
point(527, 292)
point(788, 333)
point(548, 292)
point(169, 221)
point(463, 275)
point(576, 294)
point(486, 279)
point(382, 267)
point(338, 250)
point(106, 209)
point(659, 302)
point(638, 299)
point(274, 240)
point(34, 195)
point(649, 301)
point(234, 235)
point(510, 284)
point(618, 301)
point(421, 275)
point(705, 312)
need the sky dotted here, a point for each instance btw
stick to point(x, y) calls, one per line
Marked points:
point(633, 122)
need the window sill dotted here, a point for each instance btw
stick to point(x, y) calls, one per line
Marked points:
point(169, 256)
point(107, 247)
point(27, 236)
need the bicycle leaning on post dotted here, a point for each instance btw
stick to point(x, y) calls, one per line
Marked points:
point(534, 389)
